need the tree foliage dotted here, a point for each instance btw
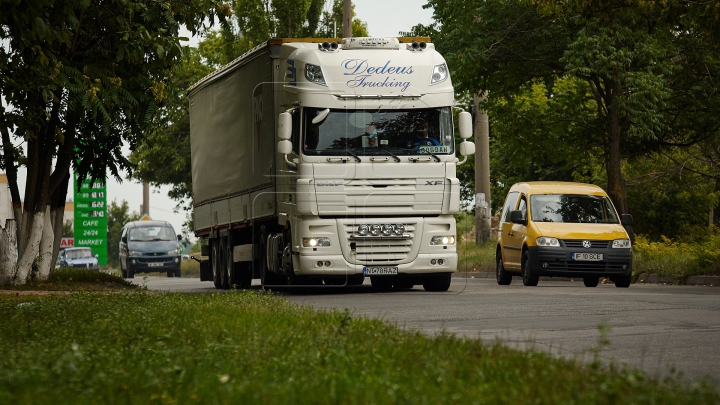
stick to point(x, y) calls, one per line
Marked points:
point(643, 74)
point(78, 79)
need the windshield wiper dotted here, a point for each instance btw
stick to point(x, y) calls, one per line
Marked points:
point(397, 159)
point(437, 159)
point(354, 155)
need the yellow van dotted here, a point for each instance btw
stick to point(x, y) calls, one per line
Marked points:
point(560, 229)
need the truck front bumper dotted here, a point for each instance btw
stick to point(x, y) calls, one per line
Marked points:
point(336, 265)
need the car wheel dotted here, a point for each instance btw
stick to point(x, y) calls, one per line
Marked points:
point(529, 278)
point(502, 276)
point(124, 273)
point(591, 281)
point(438, 283)
point(623, 282)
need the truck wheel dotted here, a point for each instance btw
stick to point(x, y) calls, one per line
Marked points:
point(438, 283)
point(529, 278)
point(623, 281)
point(502, 276)
point(224, 263)
point(243, 275)
point(215, 259)
point(591, 281)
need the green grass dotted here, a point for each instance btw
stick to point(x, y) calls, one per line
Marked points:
point(472, 257)
point(248, 347)
point(69, 279)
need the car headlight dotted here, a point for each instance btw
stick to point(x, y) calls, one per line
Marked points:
point(621, 243)
point(134, 253)
point(547, 241)
point(173, 252)
point(439, 74)
point(443, 240)
point(315, 242)
point(314, 74)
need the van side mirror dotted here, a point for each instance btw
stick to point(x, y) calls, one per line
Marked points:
point(124, 239)
point(179, 237)
point(626, 219)
point(516, 217)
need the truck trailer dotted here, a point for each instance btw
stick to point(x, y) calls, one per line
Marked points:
point(326, 161)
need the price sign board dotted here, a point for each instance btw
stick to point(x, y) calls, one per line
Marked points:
point(91, 217)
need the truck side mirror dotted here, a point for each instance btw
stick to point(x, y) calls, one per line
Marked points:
point(467, 148)
point(285, 126)
point(284, 147)
point(465, 125)
point(626, 219)
point(516, 217)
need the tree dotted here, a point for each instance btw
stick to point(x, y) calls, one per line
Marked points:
point(68, 231)
point(650, 68)
point(118, 216)
point(164, 156)
point(79, 78)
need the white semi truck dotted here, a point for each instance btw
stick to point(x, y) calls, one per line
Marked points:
point(326, 161)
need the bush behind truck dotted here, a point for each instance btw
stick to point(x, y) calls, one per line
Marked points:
point(325, 161)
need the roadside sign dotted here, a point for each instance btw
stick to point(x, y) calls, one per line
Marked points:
point(145, 217)
point(67, 242)
point(91, 217)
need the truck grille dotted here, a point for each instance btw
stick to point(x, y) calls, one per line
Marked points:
point(377, 251)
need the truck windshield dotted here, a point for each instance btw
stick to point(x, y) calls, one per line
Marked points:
point(572, 209)
point(377, 132)
point(151, 233)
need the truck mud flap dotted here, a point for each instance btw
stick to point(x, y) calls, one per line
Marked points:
point(205, 270)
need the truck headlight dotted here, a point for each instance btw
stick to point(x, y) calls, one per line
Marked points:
point(314, 242)
point(547, 241)
point(621, 243)
point(443, 240)
point(314, 74)
point(134, 253)
point(173, 252)
point(439, 74)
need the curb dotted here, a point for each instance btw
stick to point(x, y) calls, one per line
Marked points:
point(711, 281)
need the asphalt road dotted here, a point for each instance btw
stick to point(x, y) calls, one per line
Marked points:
point(651, 327)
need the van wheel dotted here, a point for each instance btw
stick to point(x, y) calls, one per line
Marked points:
point(622, 282)
point(529, 278)
point(178, 272)
point(170, 273)
point(502, 276)
point(591, 281)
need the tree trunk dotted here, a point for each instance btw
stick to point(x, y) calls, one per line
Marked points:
point(57, 210)
point(8, 244)
point(27, 259)
point(43, 262)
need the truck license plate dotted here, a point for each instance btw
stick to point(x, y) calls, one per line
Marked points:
point(155, 264)
point(592, 257)
point(379, 271)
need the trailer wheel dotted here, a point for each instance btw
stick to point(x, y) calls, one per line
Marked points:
point(241, 275)
point(215, 259)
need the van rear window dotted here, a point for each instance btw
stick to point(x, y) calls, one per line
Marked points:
point(572, 209)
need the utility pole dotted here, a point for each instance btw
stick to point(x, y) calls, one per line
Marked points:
point(347, 18)
point(482, 172)
point(146, 200)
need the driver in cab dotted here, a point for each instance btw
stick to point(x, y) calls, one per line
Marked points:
point(422, 136)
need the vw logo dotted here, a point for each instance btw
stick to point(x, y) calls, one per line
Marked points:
point(587, 244)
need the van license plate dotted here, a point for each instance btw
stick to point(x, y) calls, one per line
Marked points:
point(591, 257)
point(379, 271)
point(155, 264)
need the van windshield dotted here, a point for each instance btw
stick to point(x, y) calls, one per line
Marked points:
point(572, 209)
point(151, 233)
point(379, 132)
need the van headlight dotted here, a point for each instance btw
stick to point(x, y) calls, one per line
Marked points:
point(443, 240)
point(621, 243)
point(134, 253)
point(547, 241)
point(315, 242)
point(173, 252)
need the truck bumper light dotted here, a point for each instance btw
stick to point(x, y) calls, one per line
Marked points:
point(433, 261)
point(441, 261)
point(328, 264)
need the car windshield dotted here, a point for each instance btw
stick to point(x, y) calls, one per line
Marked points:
point(572, 209)
point(379, 132)
point(151, 233)
point(79, 254)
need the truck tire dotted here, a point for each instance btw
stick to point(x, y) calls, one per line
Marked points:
point(215, 259)
point(529, 278)
point(437, 283)
point(225, 261)
point(382, 283)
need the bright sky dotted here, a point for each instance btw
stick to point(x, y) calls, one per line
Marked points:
point(383, 17)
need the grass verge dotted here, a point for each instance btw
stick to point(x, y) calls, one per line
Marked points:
point(246, 347)
point(68, 279)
